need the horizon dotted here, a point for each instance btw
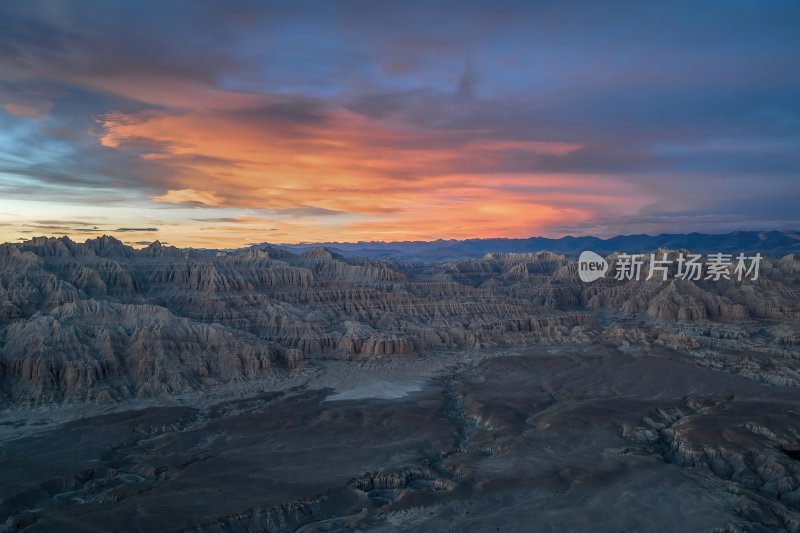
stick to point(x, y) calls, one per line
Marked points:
point(322, 244)
point(213, 126)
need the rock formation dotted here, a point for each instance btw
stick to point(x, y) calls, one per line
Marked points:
point(102, 321)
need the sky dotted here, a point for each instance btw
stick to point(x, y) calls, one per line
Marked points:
point(223, 124)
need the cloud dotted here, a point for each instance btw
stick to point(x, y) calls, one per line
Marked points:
point(189, 196)
point(306, 211)
point(400, 177)
point(62, 228)
point(28, 111)
point(136, 229)
point(467, 81)
point(179, 93)
point(145, 243)
point(51, 223)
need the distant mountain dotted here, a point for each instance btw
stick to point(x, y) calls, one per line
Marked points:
point(766, 242)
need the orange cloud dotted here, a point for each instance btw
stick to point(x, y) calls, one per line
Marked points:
point(380, 180)
point(189, 196)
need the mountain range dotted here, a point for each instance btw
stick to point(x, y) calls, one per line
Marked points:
point(766, 242)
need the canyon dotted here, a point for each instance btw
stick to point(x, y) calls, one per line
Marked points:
point(267, 390)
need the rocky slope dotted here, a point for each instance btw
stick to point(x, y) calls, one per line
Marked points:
point(101, 321)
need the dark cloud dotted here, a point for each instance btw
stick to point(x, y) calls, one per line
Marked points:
point(63, 228)
point(380, 105)
point(467, 81)
point(291, 110)
point(136, 229)
point(65, 223)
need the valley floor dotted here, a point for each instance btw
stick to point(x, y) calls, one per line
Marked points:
point(556, 438)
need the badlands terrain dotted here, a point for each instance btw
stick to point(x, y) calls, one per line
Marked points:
point(163, 389)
